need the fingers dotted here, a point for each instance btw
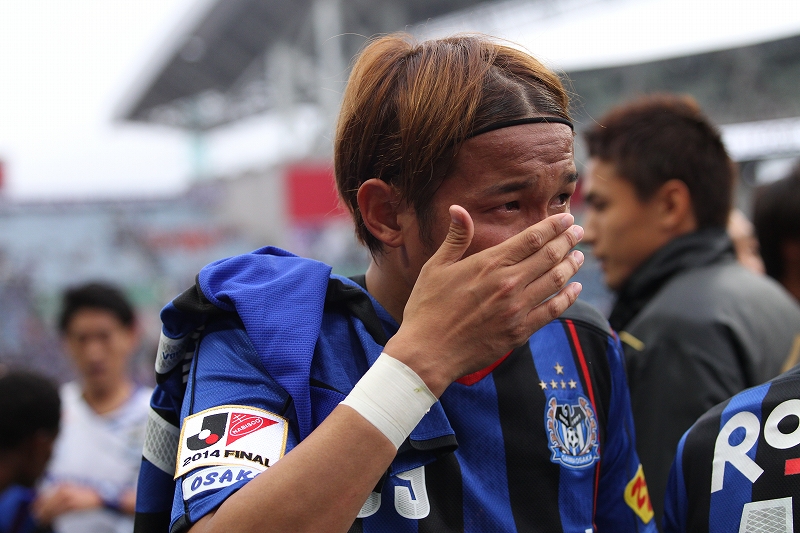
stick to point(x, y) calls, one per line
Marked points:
point(459, 237)
point(534, 238)
point(542, 262)
point(551, 309)
point(554, 279)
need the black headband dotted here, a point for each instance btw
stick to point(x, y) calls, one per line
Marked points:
point(517, 122)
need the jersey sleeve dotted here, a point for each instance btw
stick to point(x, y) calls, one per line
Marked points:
point(236, 422)
point(623, 501)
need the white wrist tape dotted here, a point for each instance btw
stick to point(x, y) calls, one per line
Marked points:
point(392, 397)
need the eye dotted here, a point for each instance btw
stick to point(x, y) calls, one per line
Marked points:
point(561, 200)
point(510, 206)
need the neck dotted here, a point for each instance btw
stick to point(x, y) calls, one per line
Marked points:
point(383, 286)
point(106, 397)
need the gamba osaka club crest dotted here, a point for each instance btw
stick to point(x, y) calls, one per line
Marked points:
point(234, 435)
point(572, 432)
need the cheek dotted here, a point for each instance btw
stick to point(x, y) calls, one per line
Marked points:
point(619, 225)
point(487, 237)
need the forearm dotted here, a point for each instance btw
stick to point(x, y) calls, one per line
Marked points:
point(318, 487)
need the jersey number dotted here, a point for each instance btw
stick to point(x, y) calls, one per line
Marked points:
point(410, 497)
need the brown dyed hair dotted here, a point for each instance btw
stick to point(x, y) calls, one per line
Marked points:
point(661, 137)
point(776, 218)
point(409, 106)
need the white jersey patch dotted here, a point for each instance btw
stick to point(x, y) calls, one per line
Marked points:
point(215, 477)
point(774, 516)
point(231, 435)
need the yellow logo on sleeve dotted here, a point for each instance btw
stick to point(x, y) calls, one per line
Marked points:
point(637, 497)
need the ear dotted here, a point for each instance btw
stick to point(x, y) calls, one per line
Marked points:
point(379, 204)
point(674, 208)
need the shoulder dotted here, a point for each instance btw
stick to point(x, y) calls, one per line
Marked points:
point(706, 291)
point(71, 396)
point(586, 315)
point(758, 400)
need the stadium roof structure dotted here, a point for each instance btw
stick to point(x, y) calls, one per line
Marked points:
point(238, 58)
point(241, 57)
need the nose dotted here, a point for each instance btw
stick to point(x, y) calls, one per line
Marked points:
point(95, 350)
point(534, 216)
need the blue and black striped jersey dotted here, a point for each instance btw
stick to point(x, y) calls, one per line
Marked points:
point(542, 441)
point(737, 468)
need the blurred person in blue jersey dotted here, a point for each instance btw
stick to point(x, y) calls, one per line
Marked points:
point(738, 467)
point(90, 483)
point(29, 419)
point(697, 326)
point(776, 216)
point(444, 390)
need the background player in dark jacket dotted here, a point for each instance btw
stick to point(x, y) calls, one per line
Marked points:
point(697, 327)
point(738, 467)
point(455, 157)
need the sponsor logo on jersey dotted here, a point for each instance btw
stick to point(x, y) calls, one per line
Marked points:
point(737, 438)
point(211, 430)
point(572, 432)
point(638, 498)
point(170, 353)
point(243, 424)
point(215, 477)
point(231, 435)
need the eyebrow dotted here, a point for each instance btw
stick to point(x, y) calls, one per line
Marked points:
point(514, 186)
point(509, 187)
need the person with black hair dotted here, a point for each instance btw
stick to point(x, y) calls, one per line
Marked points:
point(746, 449)
point(90, 484)
point(29, 414)
point(696, 326)
point(29, 419)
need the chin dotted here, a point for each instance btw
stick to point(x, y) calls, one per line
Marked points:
point(613, 283)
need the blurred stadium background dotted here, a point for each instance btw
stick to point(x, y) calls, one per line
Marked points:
point(265, 76)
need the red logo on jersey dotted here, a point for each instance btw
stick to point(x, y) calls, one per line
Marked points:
point(244, 424)
point(638, 498)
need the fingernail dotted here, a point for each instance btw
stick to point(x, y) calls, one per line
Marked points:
point(578, 255)
point(576, 288)
point(455, 217)
point(566, 220)
point(578, 232)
